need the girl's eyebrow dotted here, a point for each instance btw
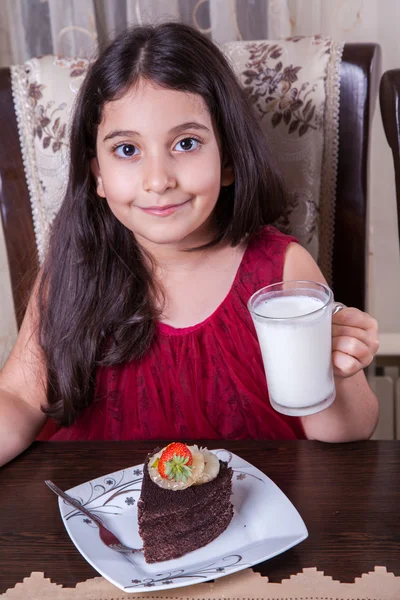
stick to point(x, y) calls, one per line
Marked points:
point(176, 129)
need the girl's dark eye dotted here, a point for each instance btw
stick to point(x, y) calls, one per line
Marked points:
point(187, 145)
point(125, 150)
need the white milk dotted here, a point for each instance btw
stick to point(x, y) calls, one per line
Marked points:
point(296, 352)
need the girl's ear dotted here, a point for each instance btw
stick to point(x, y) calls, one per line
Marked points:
point(94, 167)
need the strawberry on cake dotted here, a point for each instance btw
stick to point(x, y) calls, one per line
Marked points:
point(185, 501)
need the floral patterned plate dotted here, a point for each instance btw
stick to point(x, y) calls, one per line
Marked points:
point(265, 523)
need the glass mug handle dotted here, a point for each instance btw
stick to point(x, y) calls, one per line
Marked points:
point(336, 306)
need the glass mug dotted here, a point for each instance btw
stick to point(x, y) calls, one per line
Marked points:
point(293, 321)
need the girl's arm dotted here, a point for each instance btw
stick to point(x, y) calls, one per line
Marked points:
point(22, 391)
point(354, 413)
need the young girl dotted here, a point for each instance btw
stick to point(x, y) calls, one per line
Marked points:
point(138, 326)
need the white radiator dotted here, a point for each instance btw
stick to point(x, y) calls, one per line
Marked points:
point(387, 388)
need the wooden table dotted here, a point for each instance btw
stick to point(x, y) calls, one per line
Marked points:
point(347, 494)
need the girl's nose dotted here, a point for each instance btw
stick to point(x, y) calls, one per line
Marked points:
point(158, 176)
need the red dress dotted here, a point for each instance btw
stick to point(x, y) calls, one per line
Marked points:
point(200, 382)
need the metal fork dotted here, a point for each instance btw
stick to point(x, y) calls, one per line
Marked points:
point(106, 536)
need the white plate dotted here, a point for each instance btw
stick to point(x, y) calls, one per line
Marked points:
point(265, 523)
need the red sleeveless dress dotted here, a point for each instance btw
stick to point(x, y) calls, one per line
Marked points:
point(200, 382)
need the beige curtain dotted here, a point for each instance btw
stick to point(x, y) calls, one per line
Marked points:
point(77, 27)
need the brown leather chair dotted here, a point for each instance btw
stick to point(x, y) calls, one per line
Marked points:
point(360, 72)
point(389, 94)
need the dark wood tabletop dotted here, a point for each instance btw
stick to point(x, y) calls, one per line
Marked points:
point(347, 494)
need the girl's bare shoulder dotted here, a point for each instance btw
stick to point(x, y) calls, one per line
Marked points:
point(299, 264)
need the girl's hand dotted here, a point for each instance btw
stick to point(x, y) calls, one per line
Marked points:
point(354, 341)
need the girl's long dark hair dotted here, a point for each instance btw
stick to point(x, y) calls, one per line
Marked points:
point(96, 290)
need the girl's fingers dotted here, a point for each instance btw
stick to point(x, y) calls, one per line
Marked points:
point(354, 341)
point(352, 317)
point(354, 348)
point(369, 338)
point(344, 330)
point(345, 365)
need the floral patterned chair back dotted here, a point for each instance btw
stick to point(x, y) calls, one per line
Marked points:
point(294, 86)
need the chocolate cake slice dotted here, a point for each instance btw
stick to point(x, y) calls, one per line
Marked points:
point(174, 522)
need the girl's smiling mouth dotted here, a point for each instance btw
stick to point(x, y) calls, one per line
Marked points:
point(163, 211)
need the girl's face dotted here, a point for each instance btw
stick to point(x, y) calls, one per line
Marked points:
point(158, 165)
